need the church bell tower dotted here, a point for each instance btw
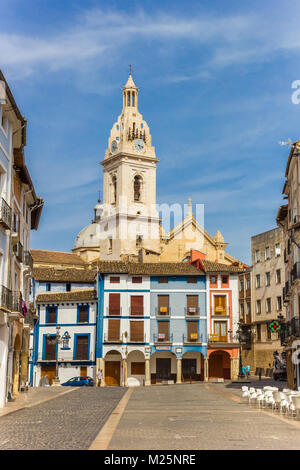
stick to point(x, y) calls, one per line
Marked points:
point(129, 219)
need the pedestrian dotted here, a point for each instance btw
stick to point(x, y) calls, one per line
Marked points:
point(99, 377)
point(247, 371)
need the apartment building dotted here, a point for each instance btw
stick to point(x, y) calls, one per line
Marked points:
point(267, 281)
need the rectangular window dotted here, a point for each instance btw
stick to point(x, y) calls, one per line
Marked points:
point(257, 280)
point(68, 287)
point(268, 278)
point(220, 305)
point(163, 331)
point(277, 249)
point(241, 285)
point(114, 279)
point(258, 307)
point(225, 281)
point(213, 280)
point(137, 331)
point(267, 252)
point(268, 305)
point(192, 331)
point(83, 314)
point(50, 349)
point(278, 276)
point(137, 368)
point(48, 287)
point(192, 280)
point(113, 330)
point(137, 305)
point(163, 280)
point(248, 283)
point(220, 329)
point(242, 310)
point(279, 303)
point(163, 304)
point(192, 304)
point(257, 256)
point(258, 332)
point(114, 304)
point(82, 347)
point(269, 333)
point(51, 315)
point(137, 280)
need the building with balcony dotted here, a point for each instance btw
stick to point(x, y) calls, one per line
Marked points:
point(267, 282)
point(20, 211)
point(65, 297)
point(288, 220)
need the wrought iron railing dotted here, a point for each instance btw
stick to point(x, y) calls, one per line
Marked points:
point(163, 338)
point(5, 214)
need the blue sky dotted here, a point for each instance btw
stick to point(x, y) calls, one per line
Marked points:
point(215, 87)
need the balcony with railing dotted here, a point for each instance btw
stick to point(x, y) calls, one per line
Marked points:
point(6, 298)
point(112, 337)
point(163, 311)
point(18, 251)
point(220, 312)
point(66, 358)
point(163, 338)
point(193, 338)
point(192, 311)
point(114, 311)
point(5, 214)
point(16, 302)
point(28, 260)
point(216, 338)
point(137, 338)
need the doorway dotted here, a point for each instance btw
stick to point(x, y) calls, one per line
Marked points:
point(163, 369)
point(112, 373)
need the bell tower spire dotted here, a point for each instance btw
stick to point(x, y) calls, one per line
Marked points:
point(130, 92)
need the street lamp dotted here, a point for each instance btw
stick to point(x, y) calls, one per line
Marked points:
point(241, 335)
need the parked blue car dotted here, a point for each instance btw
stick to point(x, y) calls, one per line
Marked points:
point(79, 382)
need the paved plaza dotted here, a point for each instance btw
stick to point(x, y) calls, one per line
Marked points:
point(177, 417)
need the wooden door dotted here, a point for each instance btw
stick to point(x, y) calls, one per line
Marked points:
point(163, 369)
point(83, 371)
point(49, 371)
point(216, 366)
point(112, 373)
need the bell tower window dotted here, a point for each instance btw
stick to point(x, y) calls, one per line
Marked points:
point(137, 188)
point(114, 189)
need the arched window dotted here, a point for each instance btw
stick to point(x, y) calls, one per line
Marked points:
point(114, 184)
point(137, 188)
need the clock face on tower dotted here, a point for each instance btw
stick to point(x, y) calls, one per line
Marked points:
point(113, 146)
point(139, 145)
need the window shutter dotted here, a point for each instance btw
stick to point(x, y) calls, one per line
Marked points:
point(114, 304)
point(137, 305)
point(83, 314)
point(163, 329)
point(51, 314)
point(113, 330)
point(50, 349)
point(163, 303)
point(82, 347)
point(192, 304)
point(137, 331)
point(192, 328)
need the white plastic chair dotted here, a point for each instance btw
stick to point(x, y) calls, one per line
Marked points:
point(277, 400)
point(295, 404)
point(269, 400)
point(245, 392)
point(252, 396)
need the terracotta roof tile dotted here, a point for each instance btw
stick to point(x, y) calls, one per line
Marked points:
point(75, 295)
point(56, 257)
point(148, 268)
point(211, 266)
point(64, 275)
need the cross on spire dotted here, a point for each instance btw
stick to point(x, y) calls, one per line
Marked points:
point(130, 69)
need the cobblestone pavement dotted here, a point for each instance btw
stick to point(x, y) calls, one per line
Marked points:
point(70, 421)
point(200, 416)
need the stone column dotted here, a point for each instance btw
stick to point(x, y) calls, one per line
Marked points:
point(124, 376)
point(205, 369)
point(147, 372)
point(234, 368)
point(179, 370)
